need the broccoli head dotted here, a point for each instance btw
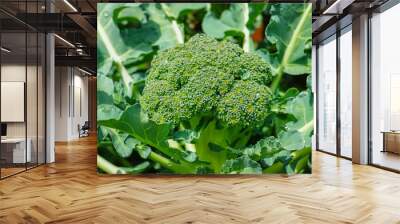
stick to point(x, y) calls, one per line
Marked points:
point(207, 77)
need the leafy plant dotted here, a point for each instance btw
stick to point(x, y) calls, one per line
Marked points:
point(171, 100)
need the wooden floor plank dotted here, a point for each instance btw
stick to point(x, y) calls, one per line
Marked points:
point(70, 191)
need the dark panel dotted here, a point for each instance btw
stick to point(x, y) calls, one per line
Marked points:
point(78, 61)
point(49, 22)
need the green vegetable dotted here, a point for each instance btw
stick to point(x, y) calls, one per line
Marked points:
point(193, 86)
point(172, 99)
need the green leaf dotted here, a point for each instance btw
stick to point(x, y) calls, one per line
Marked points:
point(309, 81)
point(105, 89)
point(215, 148)
point(119, 47)
point(301, 166)
point(144, 151)
point(107, 112)
point(232, 21)
point(136, 123)
point(175, 10)
point(186, 135)
point(104, 98)
point(105, 85)
point(131, 16)
point(255, 15)
point(283, 156)
point(102, 133)
point(241, 165)
point(288, 38)
point(263, 148)
point(140, 168)
point(298, 133)
point(118, 142)
point(289, 32)
point(275, 168)
point(301, 153)
point(191, 157)
point(216, 139)
point(289, 169)
point(301, 107)
point(171, 33)
point(292, 140)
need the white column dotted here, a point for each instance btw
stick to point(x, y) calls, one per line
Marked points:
point(50, 100)
point(360, 90)
point(314, 90)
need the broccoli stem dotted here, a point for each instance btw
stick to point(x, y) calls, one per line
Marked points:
point(108, 167)
point(245, 30)
point(166, 163)
point(307, 127)
point(277, 80)
point(178, 33)
point(108, 146)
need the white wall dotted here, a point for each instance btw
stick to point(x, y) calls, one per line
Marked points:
point(70, 83)
point(12, 73)
point(33, 126)
point(62, 82)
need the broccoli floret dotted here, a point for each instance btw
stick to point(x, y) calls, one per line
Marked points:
point(204, 76)
point(210, 88)
point(244, 105)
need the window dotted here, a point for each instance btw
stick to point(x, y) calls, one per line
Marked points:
point(22, 77)
point(346, 92)
point(385, 89)
point(327, 95)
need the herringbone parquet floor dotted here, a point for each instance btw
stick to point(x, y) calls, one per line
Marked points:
point(70, 191)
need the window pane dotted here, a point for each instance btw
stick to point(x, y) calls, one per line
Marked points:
point(385, 84)
point(31, 97)
point(14, 153)
point(346, 93)
point(327, 96)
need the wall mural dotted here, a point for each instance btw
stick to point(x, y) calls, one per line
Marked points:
point(204, 88)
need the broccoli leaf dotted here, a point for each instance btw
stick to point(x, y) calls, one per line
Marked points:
point(289, 32)
point(241, 165)
point(134, 122)
point(301, 107)
point(144, 151)
point(176, 10)
point(124, 150)
point(298, 133)
point(217, 139)
point(124, 43)
point(232, 21)
point(171, 33)
point(186, 135)
point(107, 112)
point(105, 89)
point(119, 46)
point(255, 15)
